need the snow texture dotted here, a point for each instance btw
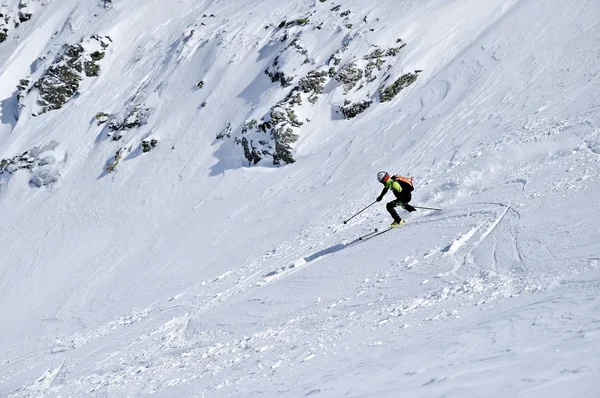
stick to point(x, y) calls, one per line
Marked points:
point(146, 250)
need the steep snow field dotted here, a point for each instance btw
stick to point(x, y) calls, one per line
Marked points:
point(184, 271)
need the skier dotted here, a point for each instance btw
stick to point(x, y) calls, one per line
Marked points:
point(402, 188)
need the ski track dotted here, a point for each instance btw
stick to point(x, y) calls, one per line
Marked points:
point(171, 336)
point(488, 286)
point(260, 289)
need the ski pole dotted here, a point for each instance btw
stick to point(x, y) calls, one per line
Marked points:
point(359, 212)
point(427, 208)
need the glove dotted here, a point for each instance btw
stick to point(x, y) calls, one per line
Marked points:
point(379, 198)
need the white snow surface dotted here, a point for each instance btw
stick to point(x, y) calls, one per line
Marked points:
point(186, 273)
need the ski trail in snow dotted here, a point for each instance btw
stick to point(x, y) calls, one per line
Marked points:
point(461, 243)
point(41, 386)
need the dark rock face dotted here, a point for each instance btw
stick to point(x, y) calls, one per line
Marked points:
point(60, 82)
point(386, 94)
point(349, 75)
point(352, 110)
point(11, 18)
point(272, 138)
point(148, 145)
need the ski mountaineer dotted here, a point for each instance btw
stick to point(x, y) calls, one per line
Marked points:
point(402, 188)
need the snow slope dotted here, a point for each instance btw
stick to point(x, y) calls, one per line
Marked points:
point(188, 273)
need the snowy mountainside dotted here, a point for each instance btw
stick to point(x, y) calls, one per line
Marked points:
point(174, 177)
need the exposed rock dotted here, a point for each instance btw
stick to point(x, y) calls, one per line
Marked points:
point(112, 165)
point(313, 82)
point(299, 21)
point(350, 111)
point(296, 45)
point(36, 161)
point(61, 80)
point(225, 133)
point(57, 86)
point(283, 137)
point(3, 33)
point(24, 16)
point(386, 94)
point(23, 84)
point(147, 146)
point(278, 126)
point(393, 51)
point(250, 152)
point(22, 89)
point(379, 53)
point(14, 17)
point(295, 99)
point(293, 119)
point(250, 124)
point(272, 137)
point(335, 59)
point(102, 118)
point(280, 77)
point(349, 75)
point(23, 161)
point(137, 117)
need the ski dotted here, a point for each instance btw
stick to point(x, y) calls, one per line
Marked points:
point(427, 208)
point(373, 234)
point(381, 232)
point(369, 234)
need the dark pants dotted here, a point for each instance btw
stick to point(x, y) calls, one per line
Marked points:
point(402, 200)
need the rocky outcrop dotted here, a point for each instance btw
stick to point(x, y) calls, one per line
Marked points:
point(148, 145)
point(313, 82)
point(225, 133)
point(293, 50)
point(387, 93)
point(11, 18)
point(39, 161)
point(277, 135)
point(102, 118)
point(352, 110)
point(250, 152)
point(277, 75)
point(136, 117)
point(349, 75)
point(24, 161)
point(60, 81)
point(112, 164)
point(272, 137)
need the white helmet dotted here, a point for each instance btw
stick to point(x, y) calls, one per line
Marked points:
point(381, 175)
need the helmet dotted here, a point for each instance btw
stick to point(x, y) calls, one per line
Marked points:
point(381, 176)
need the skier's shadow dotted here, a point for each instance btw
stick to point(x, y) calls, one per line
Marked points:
point(330, 250)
